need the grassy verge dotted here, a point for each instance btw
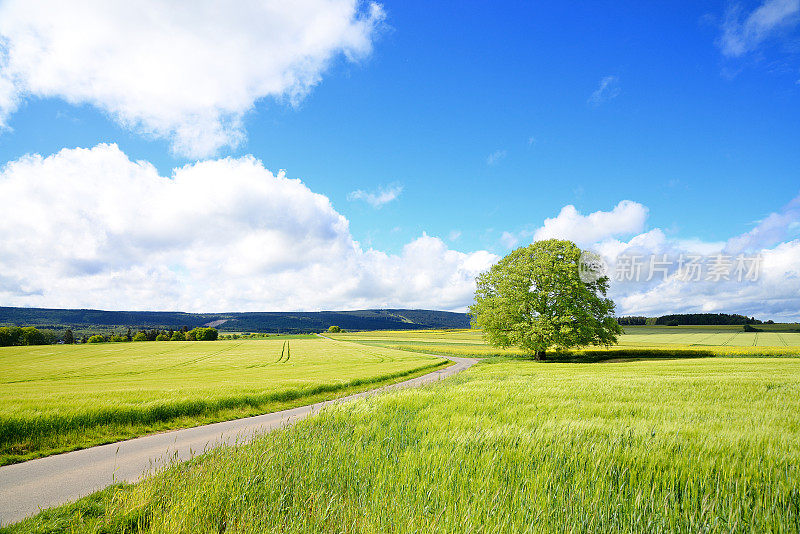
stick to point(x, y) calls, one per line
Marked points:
point(27, 438)
point(697, 445)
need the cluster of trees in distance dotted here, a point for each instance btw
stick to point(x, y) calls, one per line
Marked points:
point(14, 336)
point(26, 335)
point(636, 320)
point(693, 319)
point(707, 319)
point(195, 334)
point(247, 335)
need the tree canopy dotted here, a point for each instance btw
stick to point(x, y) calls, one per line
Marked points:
point(26, 335)
point(535, 299)
point(202, 334)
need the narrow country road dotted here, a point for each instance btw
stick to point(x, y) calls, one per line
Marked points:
point(28, 487)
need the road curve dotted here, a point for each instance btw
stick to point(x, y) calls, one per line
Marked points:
point(28, 487)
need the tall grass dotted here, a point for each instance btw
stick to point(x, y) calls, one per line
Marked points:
point(702, 445)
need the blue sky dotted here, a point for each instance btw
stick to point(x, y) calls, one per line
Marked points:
point(486, 119)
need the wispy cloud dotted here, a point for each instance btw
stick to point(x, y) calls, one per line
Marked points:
point(607, 89)
point(508, 240)
point(378, 198)
point(743, 34)
point(496, 156)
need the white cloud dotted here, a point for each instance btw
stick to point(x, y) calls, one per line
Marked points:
point(183, 71)
point(91, 228)
point(607, 89)
point(774, 228)
point(377, 199)
point(774, 294)
point(495, 156)
point(508, 239)
point(740, 36)
point(627, 217)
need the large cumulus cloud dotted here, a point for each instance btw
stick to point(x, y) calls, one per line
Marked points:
point(91, 228)
point(184, 71)
point(621, 234)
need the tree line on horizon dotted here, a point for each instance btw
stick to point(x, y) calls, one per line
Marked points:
point(11, 336)
point(26, 335)
point(29, 335)
point(691, 319)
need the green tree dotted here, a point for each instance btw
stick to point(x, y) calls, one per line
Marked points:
point(33, 336)
point(97, 338)
point(534, 299)
point(178, 336)
point(140, 336)
point(211, 334)
point(202, 334)
point(162, 337)
point(334, 329)
point(10, 336)
point(69, 337)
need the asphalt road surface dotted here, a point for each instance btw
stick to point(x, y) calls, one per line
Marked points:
point(28, 487)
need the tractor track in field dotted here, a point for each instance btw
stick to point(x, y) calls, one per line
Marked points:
point(267, 364)
point(28, 487)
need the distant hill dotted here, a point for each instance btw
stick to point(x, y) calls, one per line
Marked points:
point(287, 322)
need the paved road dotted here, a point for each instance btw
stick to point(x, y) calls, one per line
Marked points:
point(28, 487)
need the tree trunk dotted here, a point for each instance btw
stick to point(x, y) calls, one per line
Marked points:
point(540, 355)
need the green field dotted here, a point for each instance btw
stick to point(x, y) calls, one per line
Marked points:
point(711, 336)
point(61, 397)
point(665, 341)
point(697, 445)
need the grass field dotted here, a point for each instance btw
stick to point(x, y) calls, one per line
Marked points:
point(698, 445)
point(637, 341)
point(61, 397)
